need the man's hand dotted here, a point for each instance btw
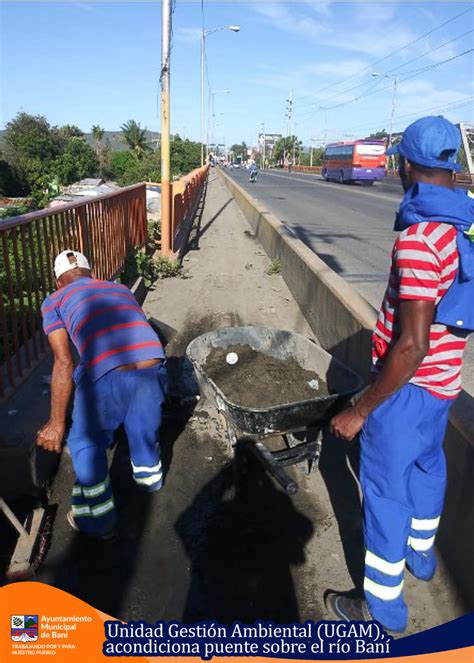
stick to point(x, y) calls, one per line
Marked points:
point(347, 424)
point(50, 436)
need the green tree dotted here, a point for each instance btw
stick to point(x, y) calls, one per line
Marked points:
point(77, 161)
point(318, 156)
point(104, 159)
point(120, 163)
point(379, 135)
point(31, 147)
point(10, 184)
point(135, 137)
point(70, 131)
point(287, 149)
point(185, 155)
point(98, 134)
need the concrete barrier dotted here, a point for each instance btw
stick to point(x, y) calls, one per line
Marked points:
point(343, 320)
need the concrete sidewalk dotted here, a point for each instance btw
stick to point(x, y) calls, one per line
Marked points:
point(214, 544)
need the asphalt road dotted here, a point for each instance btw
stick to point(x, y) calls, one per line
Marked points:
point(348, 226)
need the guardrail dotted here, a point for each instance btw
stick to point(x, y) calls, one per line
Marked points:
point(185, 195)
point(307, 169)
point(104, 228)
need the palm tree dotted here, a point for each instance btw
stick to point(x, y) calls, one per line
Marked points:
point(98, 134)
point(135, 137)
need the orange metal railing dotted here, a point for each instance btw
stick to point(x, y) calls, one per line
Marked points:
point(185, 195)
point(104, 228)
point(307, 169)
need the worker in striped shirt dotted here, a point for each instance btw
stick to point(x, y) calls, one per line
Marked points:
point(120, 379)
point(417, 351)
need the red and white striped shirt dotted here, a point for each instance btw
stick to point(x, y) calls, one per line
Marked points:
point(425, 261)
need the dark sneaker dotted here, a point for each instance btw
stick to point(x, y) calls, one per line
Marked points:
point(106, 536)
point(345, 607)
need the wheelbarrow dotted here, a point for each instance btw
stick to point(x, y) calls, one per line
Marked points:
point(301, 424)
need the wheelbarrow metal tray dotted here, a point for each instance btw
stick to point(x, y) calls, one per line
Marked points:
point(342, 382)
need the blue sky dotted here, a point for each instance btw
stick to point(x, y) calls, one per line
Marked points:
point(97, 62)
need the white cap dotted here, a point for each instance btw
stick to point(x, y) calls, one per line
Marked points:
point(63, 262)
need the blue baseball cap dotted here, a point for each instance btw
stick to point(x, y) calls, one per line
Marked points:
point(430, 141)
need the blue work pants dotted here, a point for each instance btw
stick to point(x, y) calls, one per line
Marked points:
point(133, 398)
point(403, 479)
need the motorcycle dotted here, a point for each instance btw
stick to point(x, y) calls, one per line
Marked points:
point(253, 176)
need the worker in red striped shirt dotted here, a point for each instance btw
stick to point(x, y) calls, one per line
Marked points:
point(417, 351)
point(120, 379)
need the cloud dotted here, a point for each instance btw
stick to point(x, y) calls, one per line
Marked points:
point(187, 35)
point(85, 7)
point(320, 7)
point(373, 14)
point(359, 37)
point(310, 77)
point(291, 19)
point(330, 69)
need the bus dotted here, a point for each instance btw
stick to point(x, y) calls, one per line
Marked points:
point(360, 160)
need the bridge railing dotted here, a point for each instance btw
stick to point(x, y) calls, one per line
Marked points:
point(185, 194)
point(307, 169)
point(103, 228)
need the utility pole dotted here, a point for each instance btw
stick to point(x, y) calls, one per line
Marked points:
point(263, 147)
point(165, 128)
point(294, 149)
point(289, 111)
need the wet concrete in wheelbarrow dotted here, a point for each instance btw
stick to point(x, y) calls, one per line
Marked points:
point(257, 380)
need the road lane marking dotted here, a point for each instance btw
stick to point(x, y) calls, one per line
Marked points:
point(371, 194)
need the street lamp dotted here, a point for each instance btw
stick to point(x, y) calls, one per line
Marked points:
point(323, 108)
point(312, 141)
point(394, 96)
point(204, 34)
point(213, 116)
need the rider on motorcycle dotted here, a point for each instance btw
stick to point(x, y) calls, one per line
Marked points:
point(253, 172)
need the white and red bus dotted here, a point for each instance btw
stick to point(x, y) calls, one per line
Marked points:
point(360, 160)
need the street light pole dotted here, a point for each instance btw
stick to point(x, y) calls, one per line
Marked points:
point(392, 114)
point(394, 97)
point(204, 33)
point(165, 129)
point(211, 120)
point(263, 147)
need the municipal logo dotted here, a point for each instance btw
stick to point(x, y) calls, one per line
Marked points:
point(24, 628)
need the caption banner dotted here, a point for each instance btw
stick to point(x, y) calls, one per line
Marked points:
point(208, 639)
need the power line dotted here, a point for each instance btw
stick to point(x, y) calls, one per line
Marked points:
point(432, 50)
point(439, 108)
point(433, 66)
point(414, 74)
point(386, 57)
point(419, 57)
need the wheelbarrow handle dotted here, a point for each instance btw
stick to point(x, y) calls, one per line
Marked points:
point(273, 466)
